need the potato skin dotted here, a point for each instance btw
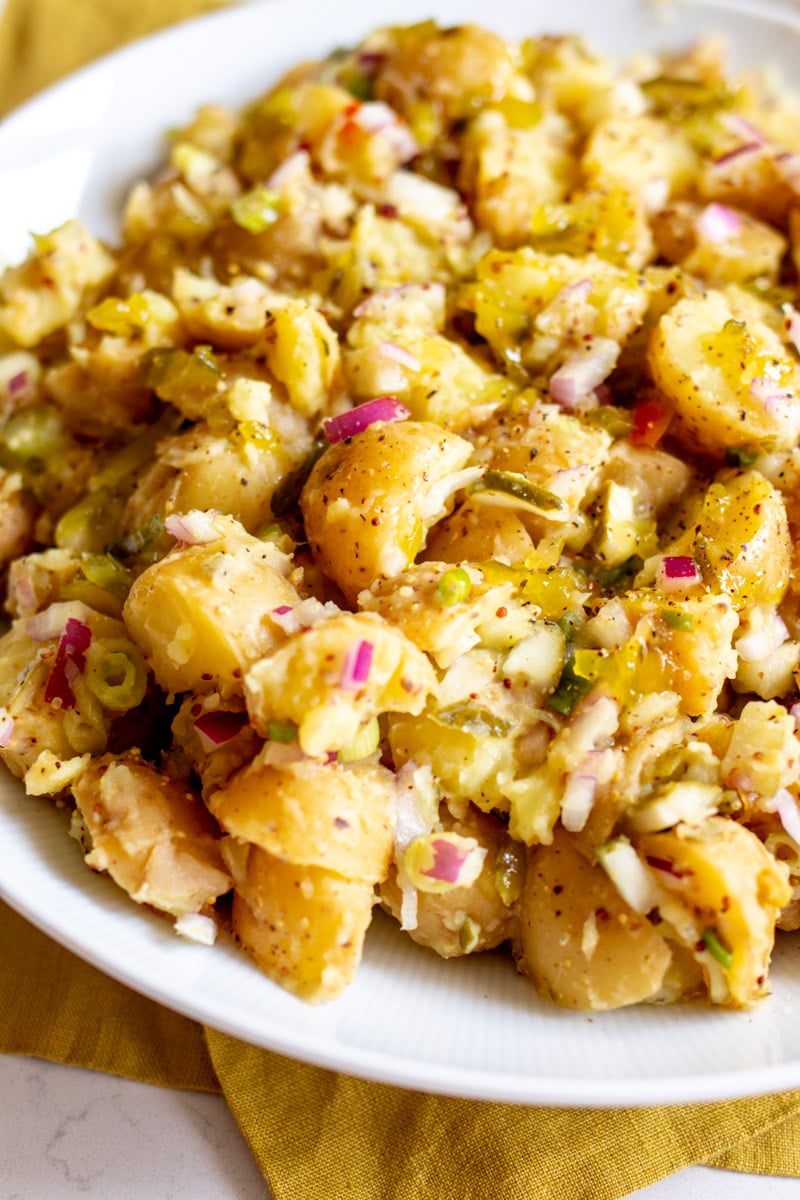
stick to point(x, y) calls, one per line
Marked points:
point(563, 892)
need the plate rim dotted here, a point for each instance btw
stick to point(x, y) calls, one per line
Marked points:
point(390, 1069)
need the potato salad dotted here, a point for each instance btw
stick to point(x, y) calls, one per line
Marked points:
point(405, 512)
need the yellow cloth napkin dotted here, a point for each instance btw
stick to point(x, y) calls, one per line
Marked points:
point(315, 1133)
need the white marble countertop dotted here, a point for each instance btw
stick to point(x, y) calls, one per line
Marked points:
point(70, 1133)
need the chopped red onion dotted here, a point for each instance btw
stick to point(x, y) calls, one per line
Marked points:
point(6, 728)
point(718, 223)
point(449, 861)
point(738, 152)
point(676, 572)
point(795, 712)
point(356, 420)
point(583, 372)
point(370, 61)
point(629, 875)
point(70, 661)
point(785, 805)
point(17, 384)
point(577, 802)
point(296, 164)
point(51, 621)
point(357, 665)
point(218, 727)
point(399, 355)
point(376, 117)
point(582, 784)
point(743, 128)
point(767, 392)
point(194, 528)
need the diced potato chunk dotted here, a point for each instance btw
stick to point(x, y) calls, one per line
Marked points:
point(335, 677)
point(201, 614)
point(581, 944)
point(371, 499)
point(740, 538)
point(313, 814)
point(733, 890)
point(731, 386)
point(467, 920)
point(47, 290)
point(417, 602)
point(303, 925)
point(153, 836)
point(639, 150)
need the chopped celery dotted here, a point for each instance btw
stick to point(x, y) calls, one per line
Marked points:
point(107, 572)
point(287, 493)
point(677, 620)
point(176, 375)
point(91, 524)
point(570, 691)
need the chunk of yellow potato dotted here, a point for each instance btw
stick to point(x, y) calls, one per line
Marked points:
point(371, 499)
point(303, 926)
point(333, 678)
point(46, 291)
point(201, 615)
point(732, 385)
point(313, 814)
point(467, 920)
point(581, 944)
point(152, 835)
point(732, 889)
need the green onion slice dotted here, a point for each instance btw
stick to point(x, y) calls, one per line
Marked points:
point(115, 673)
point(453, 587)
point(717, 949)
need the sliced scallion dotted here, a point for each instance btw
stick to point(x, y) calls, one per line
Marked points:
point(717, 948)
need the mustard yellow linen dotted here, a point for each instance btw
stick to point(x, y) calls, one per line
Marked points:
point(315, 1133)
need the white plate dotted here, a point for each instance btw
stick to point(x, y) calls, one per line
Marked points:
point(470, 1027)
